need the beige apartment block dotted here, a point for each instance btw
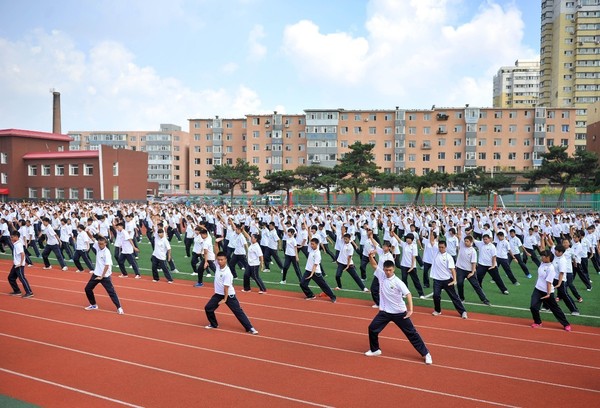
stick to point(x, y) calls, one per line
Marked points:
point(272, 142)
point(593, 128)
point(167, 148)
point(570, 57)
point(517, 86)
point(439, 139)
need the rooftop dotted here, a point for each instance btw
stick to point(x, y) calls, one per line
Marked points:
point(84, 154)
point(30, 134)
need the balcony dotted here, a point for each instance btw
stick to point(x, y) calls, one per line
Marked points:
point(442, 132)
point(426, 146)
point(442, 116)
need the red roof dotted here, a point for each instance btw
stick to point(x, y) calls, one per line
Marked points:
point(84, 154)
point(34, 135)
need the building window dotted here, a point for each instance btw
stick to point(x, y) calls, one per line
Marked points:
point(74, 193)
point(45, 169)
point(73, 169)
point(457, 155)
point(46, 193)
point(59, 170)
point(3, 158)
point(3, 178)
point(387, 157)
point(115, 169)
point(59, 193)
point(442, 155)
point(32, 170)
point(497, 156)
point(426, 157)
point(482, 156)
point(33, 193)
point(88, 170)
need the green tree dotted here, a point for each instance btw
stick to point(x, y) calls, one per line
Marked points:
point(431, 179)
point(465, 182)
point(317, 177)
point(280, 180)
point(392, 181)
point(487, 184)
point(560, 169)
point(225, 177)
point(357, 169)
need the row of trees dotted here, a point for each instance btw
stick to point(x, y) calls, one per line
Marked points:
point(357, 172)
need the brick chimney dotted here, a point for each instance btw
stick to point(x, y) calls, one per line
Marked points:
point(56, 112)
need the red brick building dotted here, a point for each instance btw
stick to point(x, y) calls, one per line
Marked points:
point(38, 165)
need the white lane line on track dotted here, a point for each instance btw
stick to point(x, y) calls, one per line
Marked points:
point(352, 377)
point(519, 379)
point(66, 387)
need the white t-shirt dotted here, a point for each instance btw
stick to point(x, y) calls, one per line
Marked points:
point(392, 292)
point(314, 258)
point(546, 273)
point(254, 254)
point(103, 258)
point(441, 266)
point(17, 251)
point(161, 247)
point(223, 277)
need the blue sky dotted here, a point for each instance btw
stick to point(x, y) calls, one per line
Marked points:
point(131, 65)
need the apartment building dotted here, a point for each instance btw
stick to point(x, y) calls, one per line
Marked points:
point(439, 139)
point(570, 57)
point(517, 86)
point(167, 148)
point(271, 142)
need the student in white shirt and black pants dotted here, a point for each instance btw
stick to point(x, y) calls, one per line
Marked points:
point(18, 269)
point(160, 255)
point(102, 273)
point(225, 293)
point(313, 271)
point(255, 260)
point(392, 308)
point(443, 273)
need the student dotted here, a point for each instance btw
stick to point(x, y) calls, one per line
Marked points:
point(466, 265)
point(160, 256)
point(408, 263)
point(543, 292)
point(127, 249)
point(17, 271)
point(207, 260)
point(392, 308)
point(225, 293)
point(503, 253)
point(52, 245)
point(291, 256)
point(102, 273)
point(345, 263)
point(443, 274)
point(255, 261)
point(4, 235)
point(515, 248)
point(82, 247)
point(487, 262)
point(385, 254)
point(313, 271)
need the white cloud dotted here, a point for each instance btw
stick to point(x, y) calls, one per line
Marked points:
point(103, 88)
point(335, 56)
point(414, 53)
point(230, 68)
point(256, 50)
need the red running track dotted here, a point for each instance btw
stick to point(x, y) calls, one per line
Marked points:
point(55, 354)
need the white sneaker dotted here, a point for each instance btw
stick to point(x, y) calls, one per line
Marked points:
point(428, 359)
point(282, 282)
point(365, 290)
point(253, 331)
point(138, 276)
point(154, 280)
point(210, 326)
point(175, 271)
point(464, 315)
point(266, 270)
point(120, 311)
point(434, 313)
point(47, 267)
point(373, 353)
point(422, 297)
point(375, 306)
point(194, 274)
point(65, 268)
point(91, 307)
point(208, 275)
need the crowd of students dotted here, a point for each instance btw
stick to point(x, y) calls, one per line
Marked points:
point(435, 247)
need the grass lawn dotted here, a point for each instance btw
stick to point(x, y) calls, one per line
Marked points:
point(516, 304)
